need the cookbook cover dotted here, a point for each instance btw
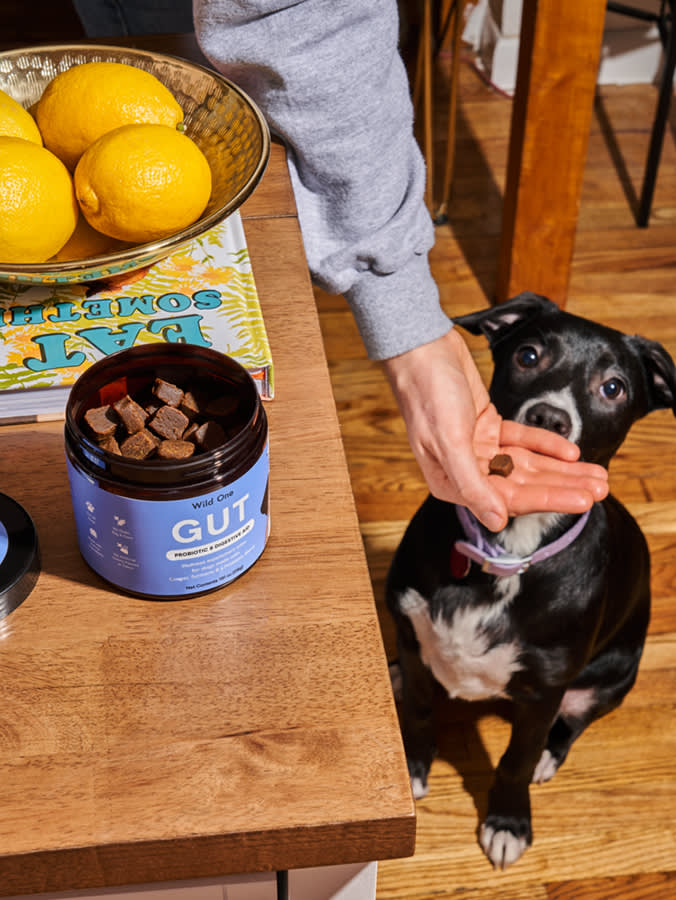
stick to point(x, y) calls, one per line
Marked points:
point(202, 294)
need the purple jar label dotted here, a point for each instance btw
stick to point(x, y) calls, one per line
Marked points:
point(169, 548)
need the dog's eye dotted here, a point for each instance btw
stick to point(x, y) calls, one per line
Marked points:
point(613, 389)
point(527, 357)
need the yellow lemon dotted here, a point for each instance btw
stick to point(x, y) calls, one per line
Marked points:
point(86, 242)
point(140, 183)
point(38, 209)
point(85, 101)
point(17, 121)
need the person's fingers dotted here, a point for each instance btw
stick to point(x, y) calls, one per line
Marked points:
point(529, 465)
point(530, 498)
point(539, 440)
point(588, 484)
point(469, 486)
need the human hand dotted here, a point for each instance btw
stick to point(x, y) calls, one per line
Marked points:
point(454, 431)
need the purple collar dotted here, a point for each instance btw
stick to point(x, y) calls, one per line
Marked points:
point(491, 556)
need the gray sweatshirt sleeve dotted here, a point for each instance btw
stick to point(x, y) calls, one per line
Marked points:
point(328, 77)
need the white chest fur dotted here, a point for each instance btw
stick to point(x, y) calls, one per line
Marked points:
point(458, 652)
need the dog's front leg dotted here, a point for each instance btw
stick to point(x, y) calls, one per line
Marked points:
point(417, 716)
point(506, 832)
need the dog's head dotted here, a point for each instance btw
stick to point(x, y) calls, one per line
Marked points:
point(571, 375)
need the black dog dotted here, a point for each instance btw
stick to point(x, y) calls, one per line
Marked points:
point(556, 624)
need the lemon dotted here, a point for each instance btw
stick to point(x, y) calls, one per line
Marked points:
point(140, 183)
point(87, 100)
point(38, 209)
point(17, 121)
point(86, 242)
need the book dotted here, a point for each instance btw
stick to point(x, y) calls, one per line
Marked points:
point(204, 293)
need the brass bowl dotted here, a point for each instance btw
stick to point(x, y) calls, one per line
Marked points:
point(221, 119)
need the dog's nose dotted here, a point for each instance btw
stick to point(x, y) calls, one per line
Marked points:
point(553, 418)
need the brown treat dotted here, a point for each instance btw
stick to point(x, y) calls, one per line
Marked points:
point(101, 420)
point(169, 423)
point(139, 445)
point(133, 416)
point(168, 393)
point(190, 432)
point(210, 435)
point(175, 449)
point(190, 404)
point(152, 406)
point(501, 464)
point(222, 406)
point(110, 444)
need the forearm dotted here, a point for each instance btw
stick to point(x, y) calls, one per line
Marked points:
point(330, 81)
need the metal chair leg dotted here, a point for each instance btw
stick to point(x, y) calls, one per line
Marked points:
point(665, 23)
point(659, 127)
point(283, 885)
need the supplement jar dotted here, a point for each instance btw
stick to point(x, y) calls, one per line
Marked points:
point(170, 528)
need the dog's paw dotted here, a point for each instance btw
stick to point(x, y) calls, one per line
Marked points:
point(502, 846)
point(546, 768)
point(419, 787)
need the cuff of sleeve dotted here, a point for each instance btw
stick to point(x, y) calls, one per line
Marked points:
point(398, 311)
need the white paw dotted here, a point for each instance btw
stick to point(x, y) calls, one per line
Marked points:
point(502, 847)
point(396, 680)
point(419, 789)
point(545, 769)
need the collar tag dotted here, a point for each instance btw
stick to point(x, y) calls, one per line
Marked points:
point(506, 565)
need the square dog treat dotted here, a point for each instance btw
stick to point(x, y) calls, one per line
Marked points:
point(109, 443)
point(190, 433)
point(167, 393)
point(169, 423)
point(191, 404)
point(139, 445)
point(210, 435)
point(132, 415)
point(175, 449)
point(501, 464)
point(102, 421)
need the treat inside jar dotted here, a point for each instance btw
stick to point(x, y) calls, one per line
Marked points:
point(161, 420)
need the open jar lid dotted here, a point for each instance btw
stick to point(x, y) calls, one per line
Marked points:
point(19, 556)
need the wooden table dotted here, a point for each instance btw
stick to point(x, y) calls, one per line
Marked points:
point(559, 52)
point(252, 729)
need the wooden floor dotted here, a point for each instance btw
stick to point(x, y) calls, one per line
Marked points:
point(604, 827)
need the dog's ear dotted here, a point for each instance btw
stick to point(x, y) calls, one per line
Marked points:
point(496, 321)
point(660, 372)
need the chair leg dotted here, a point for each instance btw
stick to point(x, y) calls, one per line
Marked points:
point(428, 103)
point(423, 95)
point(457, 9)
point(659, 127)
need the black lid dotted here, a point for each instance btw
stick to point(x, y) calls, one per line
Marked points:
point(19, 557)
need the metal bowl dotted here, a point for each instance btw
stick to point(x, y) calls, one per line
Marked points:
point(221, 119)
